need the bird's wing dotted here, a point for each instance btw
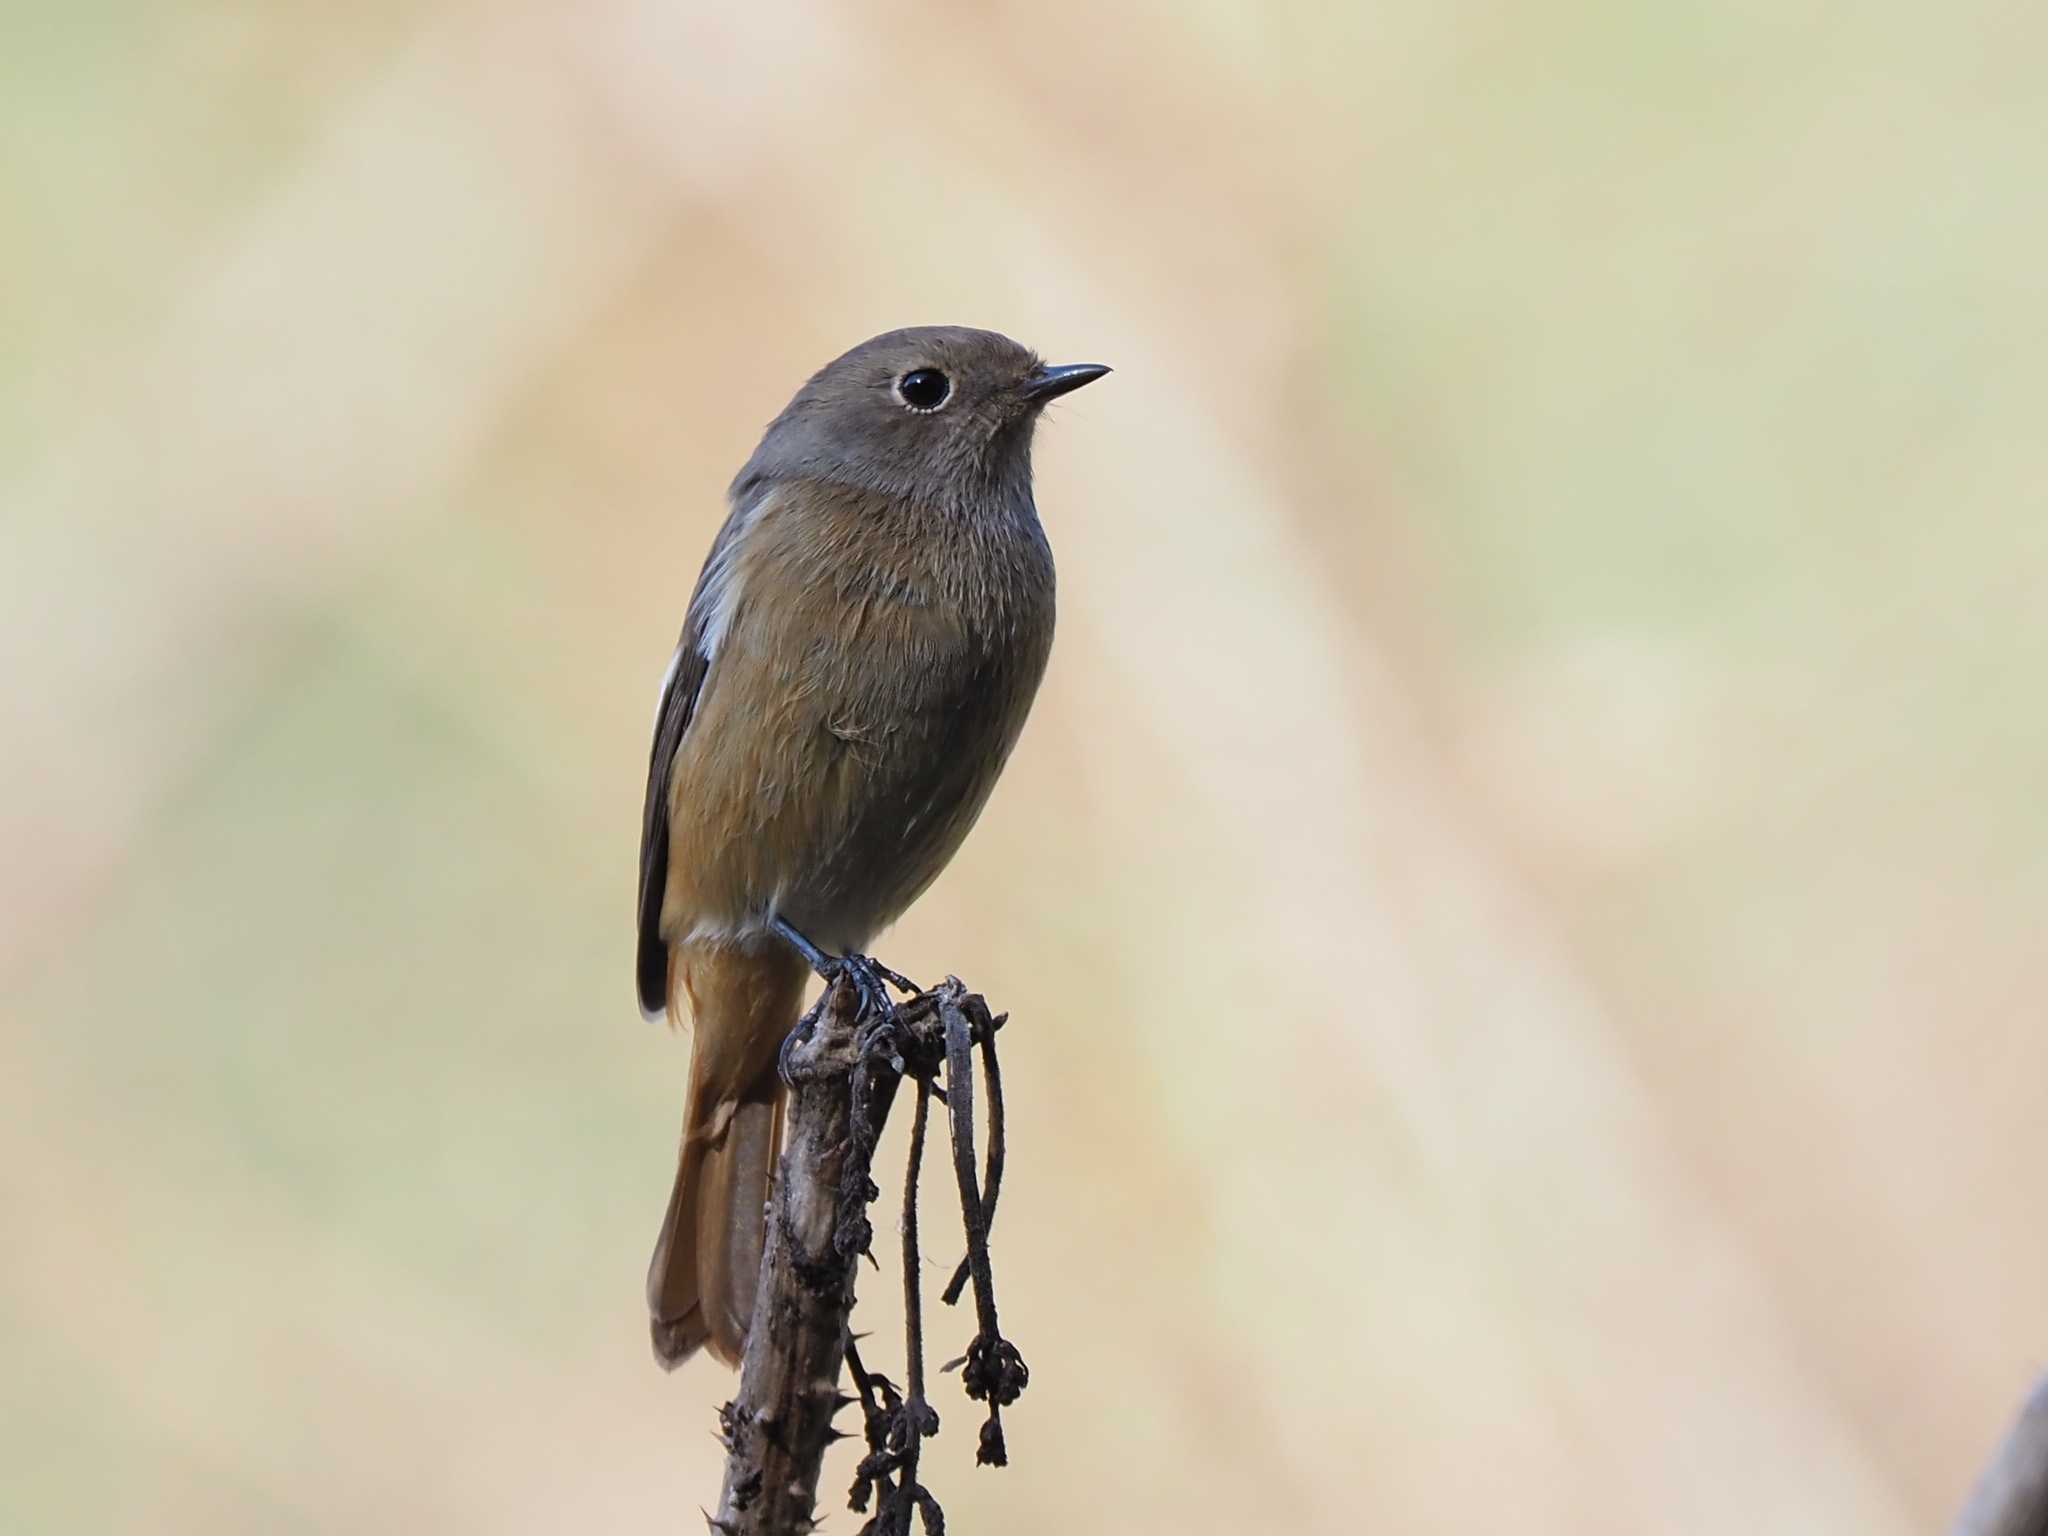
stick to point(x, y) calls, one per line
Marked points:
point(711, 607)
point(679, 692)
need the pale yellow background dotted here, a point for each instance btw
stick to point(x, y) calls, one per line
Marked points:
point(1522, 898)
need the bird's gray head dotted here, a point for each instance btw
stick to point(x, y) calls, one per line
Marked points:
point(938, 414)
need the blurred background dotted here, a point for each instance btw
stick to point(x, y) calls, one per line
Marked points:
point(1522, 898)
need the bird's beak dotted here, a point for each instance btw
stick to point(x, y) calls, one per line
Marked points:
point(1054, 380)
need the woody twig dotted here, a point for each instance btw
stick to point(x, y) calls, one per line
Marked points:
point(852, 1053)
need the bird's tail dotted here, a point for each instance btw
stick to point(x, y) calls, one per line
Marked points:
point(700, 1285)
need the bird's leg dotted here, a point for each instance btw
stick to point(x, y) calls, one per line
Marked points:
point(867, 974)
point(814, 957)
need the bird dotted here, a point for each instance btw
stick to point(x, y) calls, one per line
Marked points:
point(863, 644)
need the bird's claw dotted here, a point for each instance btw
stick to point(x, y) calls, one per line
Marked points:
point(785, 1057)
point(871, 982)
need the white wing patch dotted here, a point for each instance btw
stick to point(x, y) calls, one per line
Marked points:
point(721, 595)
point(668, 678)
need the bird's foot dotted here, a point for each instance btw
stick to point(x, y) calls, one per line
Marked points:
point(867, 974)
point(870, 979)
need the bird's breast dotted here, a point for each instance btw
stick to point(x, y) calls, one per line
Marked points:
point(867, 690)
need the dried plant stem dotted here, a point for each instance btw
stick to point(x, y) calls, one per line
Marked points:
point(992, 1177)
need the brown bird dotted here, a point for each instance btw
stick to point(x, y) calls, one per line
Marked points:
point(857, 661)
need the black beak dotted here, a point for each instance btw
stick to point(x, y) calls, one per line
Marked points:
point(1052, 381)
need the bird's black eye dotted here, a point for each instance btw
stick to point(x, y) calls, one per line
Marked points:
point(924, 389)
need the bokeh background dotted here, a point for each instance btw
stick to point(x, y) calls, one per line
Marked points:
point(1522, 898)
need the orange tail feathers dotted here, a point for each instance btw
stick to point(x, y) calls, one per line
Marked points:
point(700, 1285)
